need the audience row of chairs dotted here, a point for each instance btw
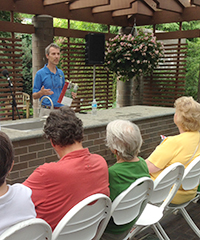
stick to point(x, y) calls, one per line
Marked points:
point(147, 200)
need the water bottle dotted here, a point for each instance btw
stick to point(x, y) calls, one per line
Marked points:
point(94, 107)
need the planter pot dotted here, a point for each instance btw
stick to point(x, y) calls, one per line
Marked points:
point(129, 93)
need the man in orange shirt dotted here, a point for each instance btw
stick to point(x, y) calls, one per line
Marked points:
point(58, 186)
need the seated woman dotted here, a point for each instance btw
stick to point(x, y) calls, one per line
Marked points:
point(15, 201)
point(124, 140)
point(182, 148)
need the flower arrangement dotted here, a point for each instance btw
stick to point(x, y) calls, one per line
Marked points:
point(130, 56)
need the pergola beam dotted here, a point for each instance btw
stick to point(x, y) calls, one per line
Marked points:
point(114, 5)
point(87, 3)
point(136, 8)
point(184, 3)
point(178, 34)
point(152, 4)
point(110, 12)
point(170, 5)
point(195, 2)
point(52, 2)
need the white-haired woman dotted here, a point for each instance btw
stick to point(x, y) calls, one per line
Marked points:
point(183, 147)
point(124, 140)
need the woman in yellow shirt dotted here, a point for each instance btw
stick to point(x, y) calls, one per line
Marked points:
point(181, 148)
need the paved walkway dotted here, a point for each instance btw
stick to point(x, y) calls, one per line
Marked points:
point(175, 226)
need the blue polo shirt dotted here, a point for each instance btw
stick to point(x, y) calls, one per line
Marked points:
point(55, 82)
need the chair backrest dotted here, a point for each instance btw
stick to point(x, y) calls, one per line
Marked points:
point(191, 177)
point(86, 220)
point(130, 203)
point(167, 184)
point(31, 229)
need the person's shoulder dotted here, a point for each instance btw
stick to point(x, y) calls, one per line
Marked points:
point(170, 140)
point(44, 170)
point(46, 167)
point(42, 70)
point(98, 157)
point(19, 188)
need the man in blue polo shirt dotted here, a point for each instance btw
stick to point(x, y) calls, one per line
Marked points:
point(49, 80)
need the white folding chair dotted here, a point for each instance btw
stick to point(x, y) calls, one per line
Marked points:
point(86, 220)
point(130, 203)
point(165, 187)
point(191, 179)
point(32, 229)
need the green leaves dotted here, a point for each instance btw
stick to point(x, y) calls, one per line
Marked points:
point(129, 56)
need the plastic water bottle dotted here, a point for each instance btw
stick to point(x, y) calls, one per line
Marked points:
point(94, 107)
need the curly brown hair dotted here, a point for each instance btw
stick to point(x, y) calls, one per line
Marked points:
point(63, 127)
point(6, 156)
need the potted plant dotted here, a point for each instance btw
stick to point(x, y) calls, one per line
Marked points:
point(130, 56)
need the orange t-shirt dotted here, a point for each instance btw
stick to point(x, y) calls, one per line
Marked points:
point(58, 186)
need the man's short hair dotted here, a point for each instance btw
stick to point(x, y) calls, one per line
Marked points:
point(6, 156)
point(63, 127)
point(124, 137)
point(188, 113)
point(49, 46)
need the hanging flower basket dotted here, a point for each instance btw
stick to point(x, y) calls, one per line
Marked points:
point(129, 56)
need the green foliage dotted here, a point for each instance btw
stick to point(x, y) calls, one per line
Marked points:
point(27, 63)
point(193, 65)
point(168, 27)
point(5, 16)
point(193, 55)
point(129, 56)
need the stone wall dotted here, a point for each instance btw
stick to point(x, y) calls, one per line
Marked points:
point(31, 153)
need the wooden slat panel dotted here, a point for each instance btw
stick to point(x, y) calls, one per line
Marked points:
point(168, 80)
point(75, 70)
point(10, 59)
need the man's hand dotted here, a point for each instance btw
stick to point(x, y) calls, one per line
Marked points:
point(46, 91)
point(74, 95)
point(42, 92)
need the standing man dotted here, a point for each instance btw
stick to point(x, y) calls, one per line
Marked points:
point(58, 186)
point(49, 80)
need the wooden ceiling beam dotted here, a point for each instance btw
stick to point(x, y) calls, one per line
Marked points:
point(178, 34)
point(111, 17)
point(53, 2)
point(152, 4)
point(114, 5)
point(170, 5)
point(87, 3)
point(136, 8)
point(184, 3)
point(16, 27)
point(195, 2)
point(76, 33)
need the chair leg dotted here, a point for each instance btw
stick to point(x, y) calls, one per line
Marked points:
point(162, 231)
point(161, 234)
point(133, 232)
point(190, 221)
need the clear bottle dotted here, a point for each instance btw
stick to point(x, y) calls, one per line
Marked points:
point(94, 107)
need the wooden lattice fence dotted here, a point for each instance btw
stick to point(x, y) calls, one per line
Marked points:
point(11, 60)
point(76, 71)
point(167, 82)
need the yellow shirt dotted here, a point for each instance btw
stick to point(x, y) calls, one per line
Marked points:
point(179, 148)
